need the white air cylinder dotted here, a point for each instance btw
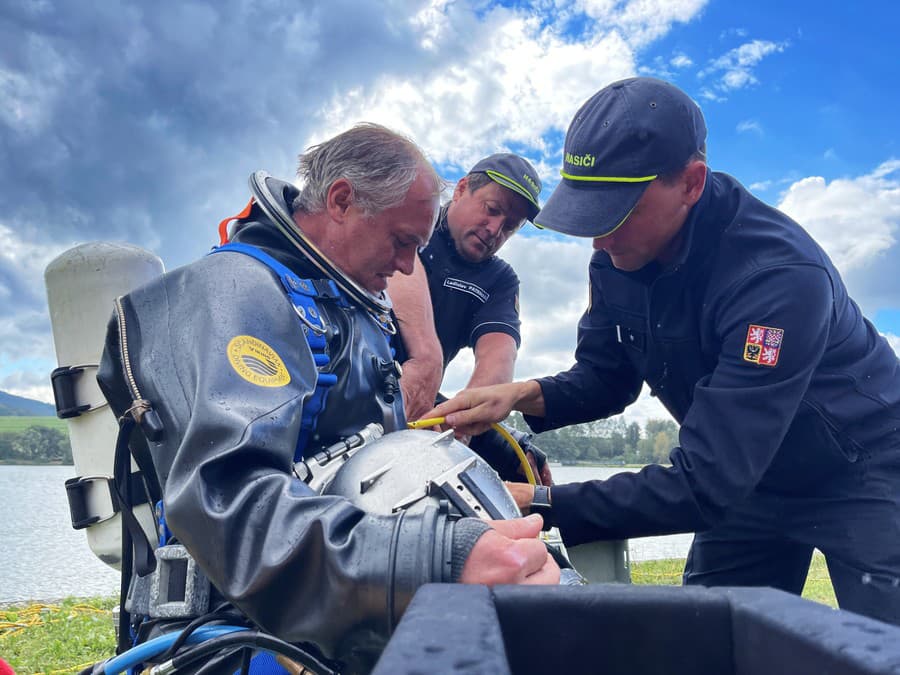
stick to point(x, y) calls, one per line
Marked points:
point(82, 284)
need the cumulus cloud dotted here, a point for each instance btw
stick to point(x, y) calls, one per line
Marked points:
point(486, 98)
point(140, 123)
point(855, 220)
point(126, 122)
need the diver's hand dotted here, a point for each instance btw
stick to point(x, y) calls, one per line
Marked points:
point(472, 411)
point(511, 553)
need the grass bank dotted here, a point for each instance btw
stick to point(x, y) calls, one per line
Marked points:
point(69, 636)
point(15, 424)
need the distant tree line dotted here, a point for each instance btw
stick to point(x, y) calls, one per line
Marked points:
point(609, 441)
point(35, 445)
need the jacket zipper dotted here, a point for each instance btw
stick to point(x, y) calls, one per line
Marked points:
point(141, 410)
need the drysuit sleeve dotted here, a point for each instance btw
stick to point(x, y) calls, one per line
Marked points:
point(602, 382)
point(739, 418)
point(218, 350)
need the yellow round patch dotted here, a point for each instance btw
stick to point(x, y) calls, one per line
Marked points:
point(257, 362)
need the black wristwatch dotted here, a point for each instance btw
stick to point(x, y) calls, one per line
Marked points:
point(540, 503)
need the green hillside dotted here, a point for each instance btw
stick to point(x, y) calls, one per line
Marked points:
point(26, 407)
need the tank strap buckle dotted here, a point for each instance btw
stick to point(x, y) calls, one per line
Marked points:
point(70, 389)
point(92, 499)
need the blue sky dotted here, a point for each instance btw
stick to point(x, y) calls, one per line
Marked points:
point(140, 122)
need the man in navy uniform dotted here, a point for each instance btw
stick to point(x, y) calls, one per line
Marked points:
point(788, 398)
point(473, 293)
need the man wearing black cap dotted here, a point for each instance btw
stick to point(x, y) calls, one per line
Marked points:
point(788, 398)
point(473, 293)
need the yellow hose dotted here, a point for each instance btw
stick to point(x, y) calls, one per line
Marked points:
point(523, 460)
point(426, 423)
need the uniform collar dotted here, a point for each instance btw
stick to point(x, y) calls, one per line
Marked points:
point(698, 236)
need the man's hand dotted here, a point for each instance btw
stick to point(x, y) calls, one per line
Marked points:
point(523, 493)
point(511, 553)
point(472, 411)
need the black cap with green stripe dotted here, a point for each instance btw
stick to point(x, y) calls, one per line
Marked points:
point(621, 139)
point(515, 173)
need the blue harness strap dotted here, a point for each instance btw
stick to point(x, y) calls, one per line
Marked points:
point(302, 294)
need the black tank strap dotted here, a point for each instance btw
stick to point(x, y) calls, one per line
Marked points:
point(144, 560)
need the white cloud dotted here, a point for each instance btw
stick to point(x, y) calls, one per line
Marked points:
point(642, 21)
point(25, 345)
point(733, 69)
point(681, 61)
point(853, 219)
point(750, 126)
point(511, 75)
point(523, 80)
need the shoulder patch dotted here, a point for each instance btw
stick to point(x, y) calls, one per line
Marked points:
point(763, 345)
point(257, 362)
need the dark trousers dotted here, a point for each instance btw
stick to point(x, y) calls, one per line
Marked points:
point(854, 520)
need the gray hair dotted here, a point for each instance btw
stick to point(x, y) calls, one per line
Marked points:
point(380, 165)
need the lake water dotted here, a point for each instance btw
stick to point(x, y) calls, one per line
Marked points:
point(43, 558)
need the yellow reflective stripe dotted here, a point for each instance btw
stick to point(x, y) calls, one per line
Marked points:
point(608, 179)
point(621, 222)
point(512, 184)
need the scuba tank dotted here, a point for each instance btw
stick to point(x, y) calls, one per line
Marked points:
point(81, 286)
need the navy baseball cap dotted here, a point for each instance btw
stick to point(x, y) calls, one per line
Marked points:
point(621, 139)
point(515, 173)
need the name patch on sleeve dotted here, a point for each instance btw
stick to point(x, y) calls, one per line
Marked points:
point(763, 345)
point(467, 287)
